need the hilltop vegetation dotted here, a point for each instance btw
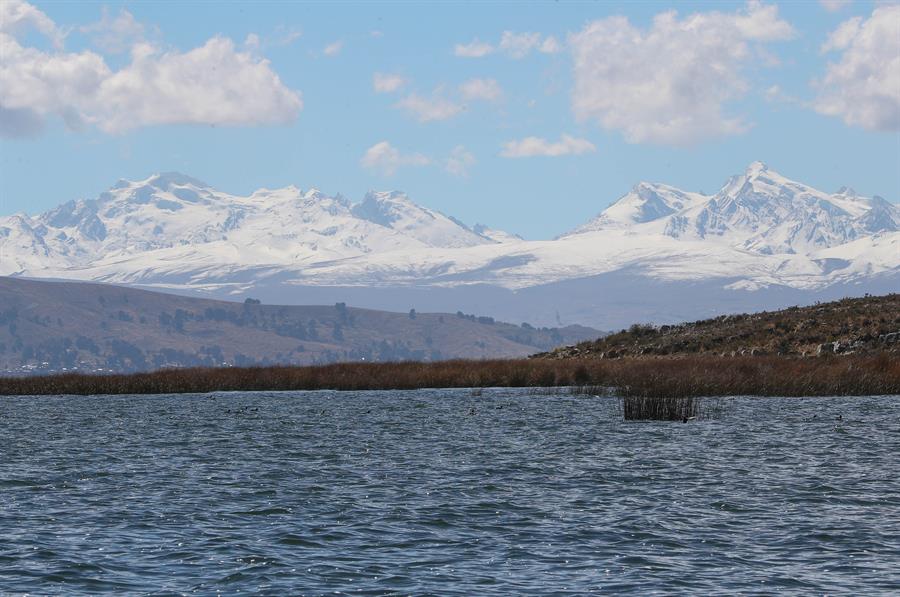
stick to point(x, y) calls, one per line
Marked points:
point(870, 324)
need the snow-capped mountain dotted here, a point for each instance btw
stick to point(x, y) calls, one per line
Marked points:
point(174, 218)
point(759, 210)
point(658, 253)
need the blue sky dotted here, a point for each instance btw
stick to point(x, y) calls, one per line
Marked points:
point(531, 117)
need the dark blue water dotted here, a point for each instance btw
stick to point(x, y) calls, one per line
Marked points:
point(443, 492)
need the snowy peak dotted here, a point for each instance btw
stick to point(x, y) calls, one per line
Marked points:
point(166, 180)
point(387, 207)
point(394, 210)
point(645, 202)
point(759, 210)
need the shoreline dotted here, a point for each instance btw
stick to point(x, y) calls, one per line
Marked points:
point(689, 376)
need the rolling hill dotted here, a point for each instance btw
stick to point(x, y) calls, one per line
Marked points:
point(62, 326)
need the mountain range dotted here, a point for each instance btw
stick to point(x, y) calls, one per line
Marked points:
point(657, 254)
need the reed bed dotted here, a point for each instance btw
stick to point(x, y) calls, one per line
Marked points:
point(669, 378)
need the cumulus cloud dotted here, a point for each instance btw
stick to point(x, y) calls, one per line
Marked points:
point(387, 83)
point(834, 5)
point(387, 159)
point(863, 86)
point(536, 146)
point(668, 84)
point(334, 48)
point(427, 109)
point(481, 89)
point(459, 162)
point(214, 84)
point(474, 49)
point(115, 35)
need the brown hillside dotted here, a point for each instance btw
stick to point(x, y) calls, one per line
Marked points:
point(64, 326)
point(858, 325)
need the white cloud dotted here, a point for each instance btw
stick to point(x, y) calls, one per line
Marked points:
point(386, 159)
point(428, 109)
point(669, 84)
point(518, 45)
point(515, 45)
point(536, 146)
point(214, 84)
point(481, 89)
point(863, 87)
point(474, 49)
point(550, 45)
point(17, 16)
point(252, 42)
point(387, 83)
point(334, 48)
point(115, 35)
point(459, 162)
point(834, 5)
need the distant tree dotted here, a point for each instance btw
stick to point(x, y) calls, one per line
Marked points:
point(412, 313)
point(252, 301)
point(342, 311)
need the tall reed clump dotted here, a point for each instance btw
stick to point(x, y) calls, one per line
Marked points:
point(659, 408)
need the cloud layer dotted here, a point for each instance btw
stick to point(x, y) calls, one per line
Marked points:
point(669, 84)
point(863, 86)
point(214, 84)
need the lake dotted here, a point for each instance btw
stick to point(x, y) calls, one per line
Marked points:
point(445, 492)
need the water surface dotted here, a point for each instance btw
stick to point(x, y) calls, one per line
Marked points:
point(444, 492)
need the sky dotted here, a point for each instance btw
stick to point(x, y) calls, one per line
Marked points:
point(529, 117)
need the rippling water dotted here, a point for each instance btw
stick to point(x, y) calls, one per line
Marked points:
point(445, 492)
